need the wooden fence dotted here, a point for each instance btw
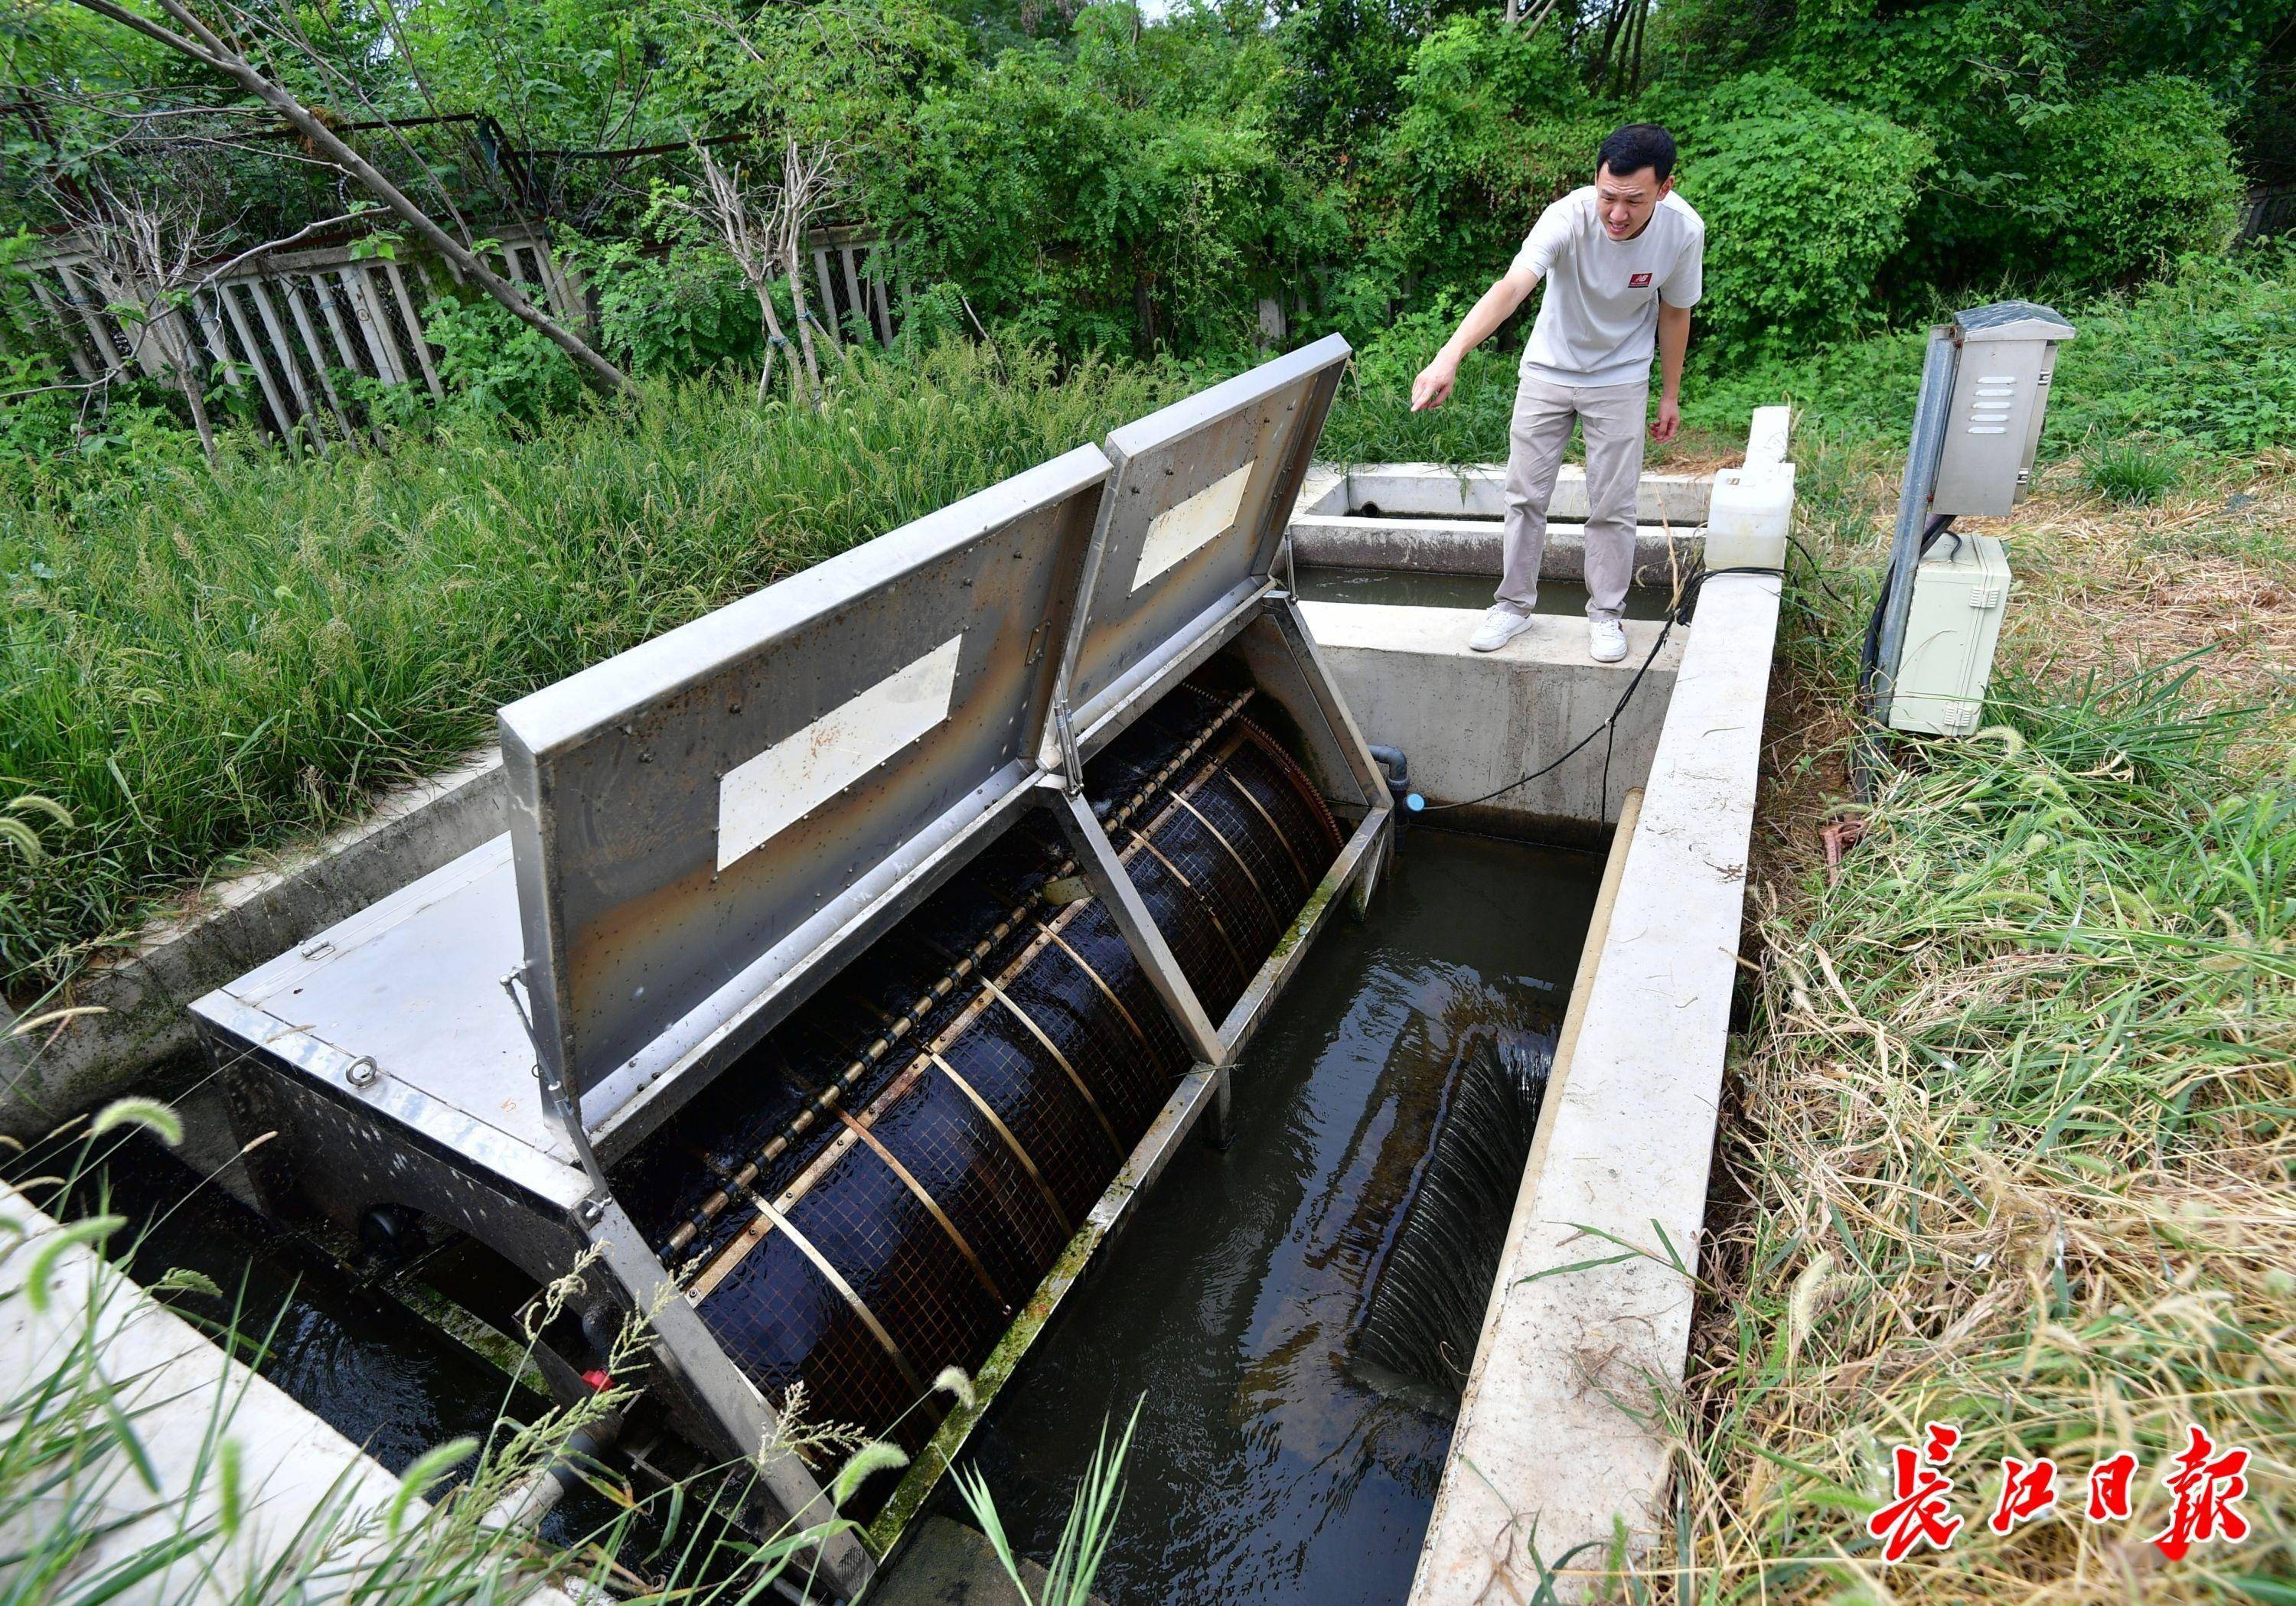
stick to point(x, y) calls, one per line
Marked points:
point(297, 324)
point(2271, 209)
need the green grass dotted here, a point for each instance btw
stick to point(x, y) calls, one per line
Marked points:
point(88, 1512)
point(2133, 472)
point(2206, 355)
point(201, 662)
point(2009, 1141)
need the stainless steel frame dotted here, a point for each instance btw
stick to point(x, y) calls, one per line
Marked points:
point(709, 827)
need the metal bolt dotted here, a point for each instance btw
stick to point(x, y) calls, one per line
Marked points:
point(362, 1071)
point(593, 1212)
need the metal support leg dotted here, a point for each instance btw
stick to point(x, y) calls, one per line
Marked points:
point(1105, 874)
point(1364, 770)
point(1219, 1129)
point(1359, 894)
point(684, 1345)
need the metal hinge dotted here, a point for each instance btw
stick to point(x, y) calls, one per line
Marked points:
point(557, 1099)
point(1071, 758)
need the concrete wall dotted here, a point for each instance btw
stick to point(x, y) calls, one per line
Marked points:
point(50, 1073)
point(1552, 1451)
point(1454, 546)
point(184, 1398)
point(310, 1499)
point(1434, 490)
point(1425, 518)
point(1470, 722)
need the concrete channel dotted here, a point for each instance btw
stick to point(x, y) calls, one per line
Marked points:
point(1556, 1472)
point(1553, 1459)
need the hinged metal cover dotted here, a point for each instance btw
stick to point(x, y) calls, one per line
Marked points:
point(696, 821)
point(2011, 320)
point(1191, 524)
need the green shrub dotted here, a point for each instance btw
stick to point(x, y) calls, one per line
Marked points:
point(673, 312)
point(1099, 199)
point(2132, 471)
point(1804, 200)
point(491, 362)
point(1495, 124)
point(2119, 184)
point(2207, 355)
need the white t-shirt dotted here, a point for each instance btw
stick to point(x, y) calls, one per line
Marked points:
point(1598, 321)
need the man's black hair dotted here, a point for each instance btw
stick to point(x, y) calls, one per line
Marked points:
point(1635, 147)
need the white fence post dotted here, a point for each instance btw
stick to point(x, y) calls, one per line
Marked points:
point(294, 357)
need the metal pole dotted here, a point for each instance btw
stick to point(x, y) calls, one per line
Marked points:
point(1913, 509)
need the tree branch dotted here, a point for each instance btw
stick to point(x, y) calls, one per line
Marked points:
point(199, 44)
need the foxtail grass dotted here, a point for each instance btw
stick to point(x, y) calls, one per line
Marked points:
point(2008, 1144)
point(149, 1485)
point(205, 662)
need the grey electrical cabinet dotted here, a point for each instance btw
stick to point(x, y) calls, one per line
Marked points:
point(2006, 353)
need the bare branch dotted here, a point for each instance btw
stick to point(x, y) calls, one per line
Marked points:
point(199, 43)
point(279, 244)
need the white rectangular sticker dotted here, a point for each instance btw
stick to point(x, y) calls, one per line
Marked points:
point(796, 775)
point(1179, 532)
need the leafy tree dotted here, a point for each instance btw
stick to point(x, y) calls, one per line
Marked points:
point(1494, 124)
point(1805, 200)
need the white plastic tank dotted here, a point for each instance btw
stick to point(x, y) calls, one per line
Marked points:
point(1748, 517)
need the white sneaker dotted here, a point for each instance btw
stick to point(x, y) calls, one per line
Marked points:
point(1606, 640)
point(1500, 625)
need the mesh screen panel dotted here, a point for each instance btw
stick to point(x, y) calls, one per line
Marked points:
point(1004, 1052)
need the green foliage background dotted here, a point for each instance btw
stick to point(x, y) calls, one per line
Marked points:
point(1085, 177)
point(1089, 211)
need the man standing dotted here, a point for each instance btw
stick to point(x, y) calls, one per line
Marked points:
point(1622, 259)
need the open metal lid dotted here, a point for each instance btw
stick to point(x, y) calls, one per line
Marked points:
point(699, 822)
point(1190, 526)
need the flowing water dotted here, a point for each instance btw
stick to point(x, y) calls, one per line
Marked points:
point(1267, 1468)
point(1272, 1464)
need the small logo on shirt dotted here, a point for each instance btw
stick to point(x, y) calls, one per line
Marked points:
point(1638, 282)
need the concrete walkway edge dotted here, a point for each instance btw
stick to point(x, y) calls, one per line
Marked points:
point(49, 1073)
point(308, 1495)
point(1559, 1450)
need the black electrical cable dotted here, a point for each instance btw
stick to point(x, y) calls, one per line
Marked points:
point(1678, 614)
point(1817, 571)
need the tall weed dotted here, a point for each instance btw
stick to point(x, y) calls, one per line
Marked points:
point(204, 661)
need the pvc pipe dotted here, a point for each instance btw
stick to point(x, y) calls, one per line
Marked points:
point(1397, 768)
point(525, 1506)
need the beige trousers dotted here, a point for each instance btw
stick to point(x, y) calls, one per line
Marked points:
point(1611, 417)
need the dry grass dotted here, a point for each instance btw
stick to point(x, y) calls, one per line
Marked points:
point(2009, 1143)
point(2112, 589)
